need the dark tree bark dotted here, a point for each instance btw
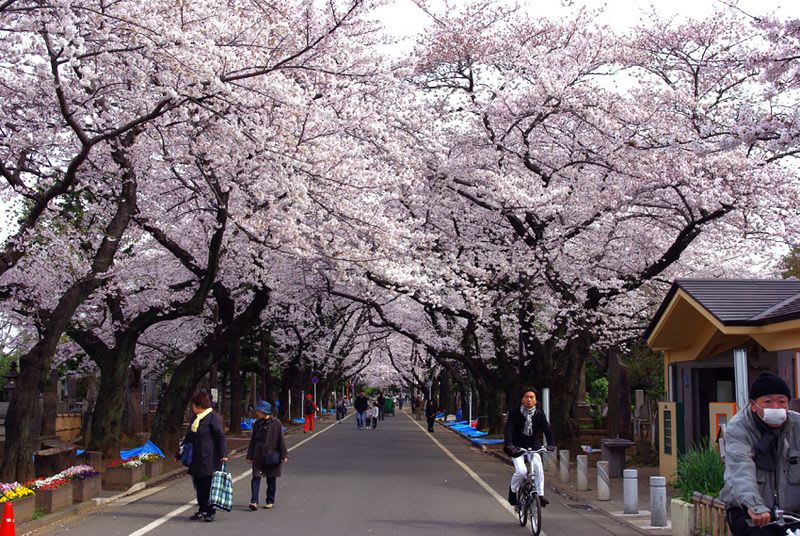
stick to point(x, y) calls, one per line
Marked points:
point(169, 417)
point(135, 419)
point(35, 364)
point(237, 387)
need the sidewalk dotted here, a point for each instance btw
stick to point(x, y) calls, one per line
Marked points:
point(587, 500)
point(236, 446)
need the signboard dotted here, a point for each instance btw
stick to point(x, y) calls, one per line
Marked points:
point(314, 379)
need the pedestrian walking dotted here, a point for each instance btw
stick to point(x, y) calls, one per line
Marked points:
point(430, 414)
point(361, 404)
point(310, 413)
point(380, 405)
point(267, 451)
point(418, 410)
point(341, 409)
point(206, 436)
point(375, 413)
point(400, 402)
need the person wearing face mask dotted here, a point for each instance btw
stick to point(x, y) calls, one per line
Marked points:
point(762, 458)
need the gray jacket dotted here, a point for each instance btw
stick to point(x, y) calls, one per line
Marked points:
point(754, 488)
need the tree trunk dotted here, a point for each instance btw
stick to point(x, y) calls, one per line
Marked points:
point(168, 421)
point(50, 404)
point(107, 417)
point(135, 421)
point(237, 386)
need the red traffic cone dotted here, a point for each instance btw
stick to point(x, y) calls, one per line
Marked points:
point(7, 527)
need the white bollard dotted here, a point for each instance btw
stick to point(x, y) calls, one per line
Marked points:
point(550, 460)
point(563, 466)
point(630, 491)
point(658, 501)
point(582, 468)
point(603, 482)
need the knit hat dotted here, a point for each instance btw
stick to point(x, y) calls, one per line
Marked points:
point(264, 407)
point(768, 383)
point(309, 397)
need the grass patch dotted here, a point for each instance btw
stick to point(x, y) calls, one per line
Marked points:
point(701, 469)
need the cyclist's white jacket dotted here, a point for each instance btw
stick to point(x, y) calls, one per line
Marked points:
point(748, 486)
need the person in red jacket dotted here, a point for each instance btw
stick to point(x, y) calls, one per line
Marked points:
point(309, 412)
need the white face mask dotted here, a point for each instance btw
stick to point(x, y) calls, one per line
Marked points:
point(774, 416)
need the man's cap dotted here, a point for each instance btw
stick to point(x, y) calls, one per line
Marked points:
point(768, 383)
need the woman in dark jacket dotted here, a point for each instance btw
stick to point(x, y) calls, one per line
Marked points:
point(525, 426)
point(265, 443)
point(209, 450)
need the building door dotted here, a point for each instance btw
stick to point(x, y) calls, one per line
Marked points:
point(708, 385)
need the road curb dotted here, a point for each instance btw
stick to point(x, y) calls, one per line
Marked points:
point(554, 487)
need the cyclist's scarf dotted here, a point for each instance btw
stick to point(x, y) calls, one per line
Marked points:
point(528, 414)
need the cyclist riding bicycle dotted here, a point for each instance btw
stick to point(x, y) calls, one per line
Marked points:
point(762, 459)
point(525, 425)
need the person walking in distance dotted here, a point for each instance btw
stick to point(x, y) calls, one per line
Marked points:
point(340, 409)
point(209, 451)
point(430, 414)
point(361, 404)
point(310, 413)
point(266, 451)
point(380, 405)
point(375, 413)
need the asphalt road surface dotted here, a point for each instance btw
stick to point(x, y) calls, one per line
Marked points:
point(395, 480)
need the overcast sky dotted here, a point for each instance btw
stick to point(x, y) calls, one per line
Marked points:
point(404, 18)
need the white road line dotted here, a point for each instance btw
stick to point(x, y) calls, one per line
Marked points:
point(178, 511)
point(481, 482)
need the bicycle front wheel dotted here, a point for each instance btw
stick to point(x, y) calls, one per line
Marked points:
point(523, 505)
point(535, 513)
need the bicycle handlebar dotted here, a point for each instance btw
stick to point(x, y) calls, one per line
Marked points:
point(541, 450)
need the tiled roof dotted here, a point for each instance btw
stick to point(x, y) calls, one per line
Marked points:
point(739, 301)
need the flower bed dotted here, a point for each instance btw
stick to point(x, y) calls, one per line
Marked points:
point(86, 482)
point(23, 498)
point(53, 493)
point(121, 474)
point(153, 464)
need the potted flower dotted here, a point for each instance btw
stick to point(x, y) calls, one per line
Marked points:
point(122, 474)
point(153, 464)
point(53, 493)
point(23, 498)
point(86, 482)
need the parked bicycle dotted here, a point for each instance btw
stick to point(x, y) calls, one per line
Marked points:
point(529, 506)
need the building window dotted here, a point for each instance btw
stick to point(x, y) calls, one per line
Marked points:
point(667, 431)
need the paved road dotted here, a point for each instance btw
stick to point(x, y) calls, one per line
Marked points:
point(341, 481)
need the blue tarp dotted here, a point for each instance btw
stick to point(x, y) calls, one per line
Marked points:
point(247, 423)
point(298, 421)
point(484, 441)
point(79, 452)
point(147, 448)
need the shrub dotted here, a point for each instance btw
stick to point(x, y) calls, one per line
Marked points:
point(701, 469)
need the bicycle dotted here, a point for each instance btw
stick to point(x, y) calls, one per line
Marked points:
point(529, 504)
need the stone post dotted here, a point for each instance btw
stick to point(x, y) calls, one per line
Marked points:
point(582, 469)
point(630, 491)
point(658, 501)
point(603, 482)
point(563, 466)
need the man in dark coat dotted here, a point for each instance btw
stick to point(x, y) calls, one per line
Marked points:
point(209, 451)
point(525, 426)
point(266, 442)
point(361, 404)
